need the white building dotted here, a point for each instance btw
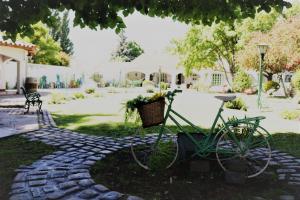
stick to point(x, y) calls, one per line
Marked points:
point(14, 54)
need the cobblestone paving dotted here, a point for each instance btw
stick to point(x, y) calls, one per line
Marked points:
point(65, 173)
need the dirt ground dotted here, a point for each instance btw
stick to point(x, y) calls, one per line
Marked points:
point(119, 172)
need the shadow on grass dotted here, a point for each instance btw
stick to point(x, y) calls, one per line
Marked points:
point(79, 123)
point(16, 151)
point(288, 142)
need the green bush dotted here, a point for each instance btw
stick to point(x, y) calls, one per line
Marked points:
point(296, 81)
point(241, 81)
point(150, 90)
point(290, 114)
point(90, 90)
point(78, 95)
point(57, 98)
point(136, 83)
point(164, 86)
point(147, 83)
point(237, 104)
point(271, 85)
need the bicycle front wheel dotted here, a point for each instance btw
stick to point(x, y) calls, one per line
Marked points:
point(244, 147)
point(154, 153)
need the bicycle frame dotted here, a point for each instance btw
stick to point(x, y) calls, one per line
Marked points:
point(207, 145)
point(204, 147)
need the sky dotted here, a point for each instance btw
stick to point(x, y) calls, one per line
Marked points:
point(93, 48)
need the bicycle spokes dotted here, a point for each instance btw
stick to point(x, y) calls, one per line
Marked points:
point(246, 144)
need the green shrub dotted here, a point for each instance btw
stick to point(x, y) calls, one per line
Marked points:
point(147, 83)
point(78, 95)
point(90, 90)
point(290, 114)
point(57, 98)
point(164, 86)
point(241, 81)
point(296, 81)
point(271, 85)
point(237, 104)
point(150, 90)
point(136, 83)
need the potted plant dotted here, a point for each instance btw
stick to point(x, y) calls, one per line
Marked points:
point(150, 109)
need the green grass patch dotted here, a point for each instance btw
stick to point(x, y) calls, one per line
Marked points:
point(16, 151)
point(88, 124)
point(287, 142)
point(291, 114)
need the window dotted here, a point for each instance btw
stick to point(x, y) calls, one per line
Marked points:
point(288, 78)
point(164, 77)
point(216, 79)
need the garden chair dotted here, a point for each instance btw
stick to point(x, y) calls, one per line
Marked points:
point(32, 99)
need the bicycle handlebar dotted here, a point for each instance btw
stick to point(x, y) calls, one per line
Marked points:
point(172, 94)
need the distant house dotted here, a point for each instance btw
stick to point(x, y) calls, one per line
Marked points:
point(145, 67)
point(149, 66)
point(15, 53)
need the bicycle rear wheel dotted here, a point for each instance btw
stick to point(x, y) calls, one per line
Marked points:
point(152, 153)
point(244, 147)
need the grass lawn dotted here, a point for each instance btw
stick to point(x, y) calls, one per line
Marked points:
point(88, 124)
point(287, 142)
point(16, 151)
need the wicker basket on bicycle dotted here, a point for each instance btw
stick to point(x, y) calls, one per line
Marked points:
point(152, 113)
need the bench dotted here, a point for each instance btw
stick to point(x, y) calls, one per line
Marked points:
point(32, 99)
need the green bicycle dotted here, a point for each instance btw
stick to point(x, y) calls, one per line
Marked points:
point(242, 139)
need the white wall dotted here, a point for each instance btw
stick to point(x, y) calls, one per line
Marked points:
point(18, 54)
point(51, 71)
point(2, 77)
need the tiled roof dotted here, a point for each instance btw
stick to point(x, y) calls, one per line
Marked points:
point(31, 48)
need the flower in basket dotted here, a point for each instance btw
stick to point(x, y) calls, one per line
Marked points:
point(132, 106)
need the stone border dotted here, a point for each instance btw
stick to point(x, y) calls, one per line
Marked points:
point(65, 173)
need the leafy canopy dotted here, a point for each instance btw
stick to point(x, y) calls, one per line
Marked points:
point(17, 16)
point(284, 51)
point(218, 45)
point(59, 30)
point(48, 50)
point(204, 45)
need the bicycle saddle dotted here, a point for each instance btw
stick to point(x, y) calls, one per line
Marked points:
point(225, 98)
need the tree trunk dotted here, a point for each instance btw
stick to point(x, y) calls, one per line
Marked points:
point(268, 75)
point(226, 75)
point(282, 84)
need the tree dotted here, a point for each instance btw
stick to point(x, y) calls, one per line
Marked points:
point(59, 30)
point(284, 52)
point(262, 22)
point(55, 26)
point(17, 16)
point(203, 46)
point(49, 51)
point(65, 43)
point(126, 51)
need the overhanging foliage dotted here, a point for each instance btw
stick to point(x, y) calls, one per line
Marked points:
point(17, 15)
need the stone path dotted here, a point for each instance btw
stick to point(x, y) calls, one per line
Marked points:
point(65, 173)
